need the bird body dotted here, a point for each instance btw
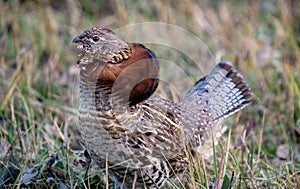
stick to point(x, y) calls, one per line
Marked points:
point(144, 138)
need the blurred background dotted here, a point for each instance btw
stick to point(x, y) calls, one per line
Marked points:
point(39, 81)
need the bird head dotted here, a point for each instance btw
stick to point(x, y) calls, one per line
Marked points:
point(101, 44)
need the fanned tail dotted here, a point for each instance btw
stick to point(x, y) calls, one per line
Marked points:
point(213, 98)
point(223, 92)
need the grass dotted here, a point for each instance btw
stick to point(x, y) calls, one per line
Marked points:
point(39, 96)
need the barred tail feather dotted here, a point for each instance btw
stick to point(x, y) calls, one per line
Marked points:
point(224, 91)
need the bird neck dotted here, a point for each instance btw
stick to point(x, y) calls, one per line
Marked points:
point(96, 87)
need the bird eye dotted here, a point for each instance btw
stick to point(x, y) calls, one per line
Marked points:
point(96, 38)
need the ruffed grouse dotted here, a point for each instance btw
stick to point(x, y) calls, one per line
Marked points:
point(144, 138)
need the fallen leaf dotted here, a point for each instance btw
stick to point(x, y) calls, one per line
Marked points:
point(28, 175)
point(51, 161)
point(282, 151)
point(87, 161)
point(241, 140)
point(249, 128)
point(58, 173)
point(62, 186)
point(50, 180)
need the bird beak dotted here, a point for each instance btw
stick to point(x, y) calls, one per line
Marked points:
point(76, 39)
